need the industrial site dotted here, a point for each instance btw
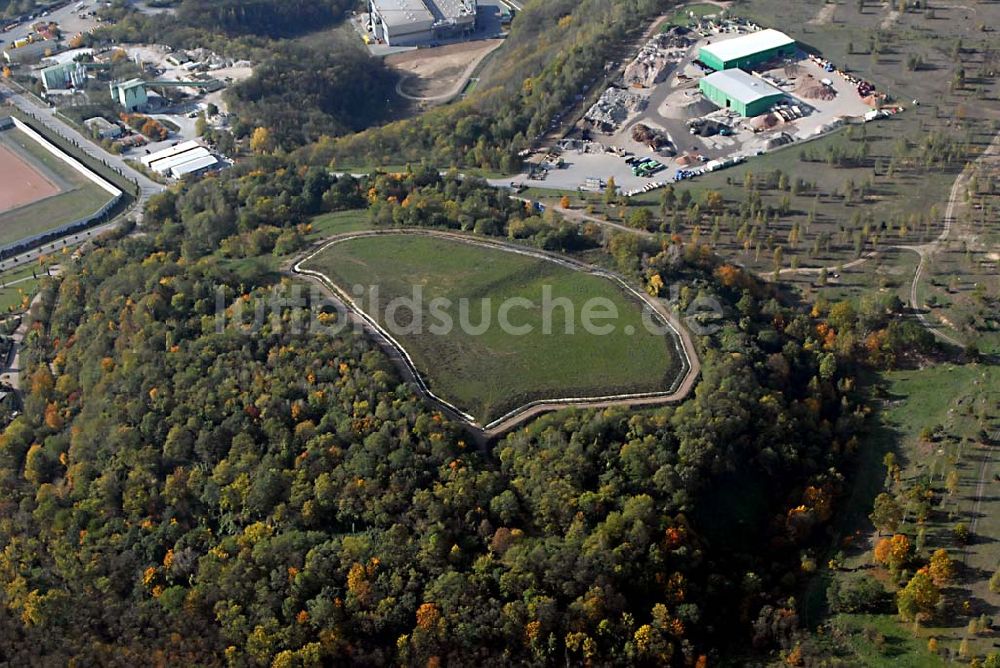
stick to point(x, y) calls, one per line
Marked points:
point(140, 101)
point(701, 97)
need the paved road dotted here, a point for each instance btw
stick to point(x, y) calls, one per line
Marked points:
point(48, 117)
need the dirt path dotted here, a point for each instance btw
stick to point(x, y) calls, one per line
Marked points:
point(580, 216)
point(399, 356)
point(824, 15)
point(955, 197)
point(981, 484)
point(455, 88)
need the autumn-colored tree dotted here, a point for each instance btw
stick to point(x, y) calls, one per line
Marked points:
point(916, 601)
point(893, 552)
point(951, 482)
point(842, 315)
point(941, 568)
point(357, 583)
point(712, 200)
point(818, 498)
point(651, 644)
point(428, 616)
point(564, 201)
point(260, 141)
point(53, 417)
point(42, 382)
point(6, 72)
point(655, 285)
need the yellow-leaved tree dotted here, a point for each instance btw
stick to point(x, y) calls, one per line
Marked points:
point(260, 141)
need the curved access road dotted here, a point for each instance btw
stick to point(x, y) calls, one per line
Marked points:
point(456, 88)
point(684, 344)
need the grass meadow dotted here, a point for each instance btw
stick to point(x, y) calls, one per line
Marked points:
point(493, 372)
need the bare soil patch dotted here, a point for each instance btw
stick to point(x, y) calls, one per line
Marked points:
point(21, 184)
point(439, 70)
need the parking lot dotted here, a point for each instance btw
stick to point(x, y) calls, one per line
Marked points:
point(71, 21)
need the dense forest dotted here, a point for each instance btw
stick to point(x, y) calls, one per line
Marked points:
point(177, 491)
point(232, 18)
point(271, 18)
point(300, 94)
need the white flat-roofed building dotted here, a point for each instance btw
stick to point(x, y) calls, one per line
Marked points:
point(164, 165)
point(169, 152)
point(418, 22)
point(401, 22)
point(747, 50)
point(194, 166)
point(186, 158)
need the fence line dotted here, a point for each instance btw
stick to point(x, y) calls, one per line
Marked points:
point(68, 159)
point(71, 148)
point(78, 225)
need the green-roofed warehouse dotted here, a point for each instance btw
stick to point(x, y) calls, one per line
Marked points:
point(748, 50)
point(744, 93)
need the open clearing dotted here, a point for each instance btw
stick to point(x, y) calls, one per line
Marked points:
point(70, 196)
point(488, 372)
point(442, 72)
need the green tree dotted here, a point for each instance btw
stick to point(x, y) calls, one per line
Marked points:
point(886, 514)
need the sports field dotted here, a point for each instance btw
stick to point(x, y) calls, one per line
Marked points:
point(39, 192)
point(22, 184)
point(490, 370)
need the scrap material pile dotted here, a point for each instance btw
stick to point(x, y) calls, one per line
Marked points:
point(651, 64)
point(866, 90)
point(613, 108)
point(656, 140)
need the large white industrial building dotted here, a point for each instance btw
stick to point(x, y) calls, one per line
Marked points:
point(419, 22)
point(186, 158)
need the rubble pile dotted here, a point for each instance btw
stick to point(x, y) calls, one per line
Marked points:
point(614, 106)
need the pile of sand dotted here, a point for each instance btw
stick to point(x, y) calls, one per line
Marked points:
point(811, 89)
point(818, 92)
point(684, 107)
point(765, 122)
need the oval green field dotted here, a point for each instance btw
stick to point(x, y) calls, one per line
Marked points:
point(479, 366)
